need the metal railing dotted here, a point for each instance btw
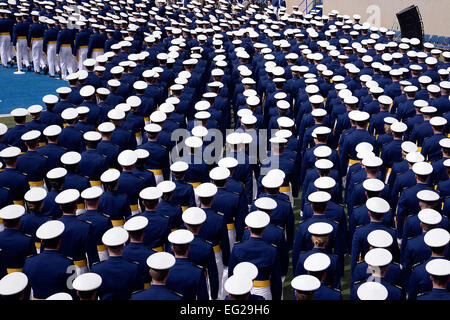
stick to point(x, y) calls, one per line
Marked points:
point(311, 3)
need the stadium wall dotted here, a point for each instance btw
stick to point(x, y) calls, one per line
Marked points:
point(435, 13)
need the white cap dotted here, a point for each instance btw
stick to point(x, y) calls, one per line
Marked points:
point(372, 162)
point(52, 130)
point(161, 261)
point(378, 257)
point(110, 175)
point(409, 146)
point(116, 114)
point(372, 291)
point(272, 181)
point(152, 128)
point(377, 205)
point(50, 230)
point(437, 237)
point(429, 216)
point(305, 282)
point(87, 282)
point(127, 158)
point(438, 267)
point(438, 121)
point(445, 143)
point(219, 173)
point(12, 211)
point(246, 269)
point(3, 129)
point(379, 239)
point(10, 152)
point(13, 283)
point(323, 164)
point(67, 196)
point(69, 114)
point(238, 284)
point(31, 135)
point(142, 153)
point(317, 262)
point(92, 136)
point(35, 195)
point(166, 186)
point(257, 219)
point(427, 195)
point(50, 99)
point(60, 296)
point(228, 162)
point(422, 168)
point(399, 127)
point(373, 185)
point(205, 190)
point(92, 193)
point(116, 236)
point(265, 203)
point(56, 173)
point(150, 193)
point(179, 166)
point(193, 142)
point(324, 183)
point(136, 223)
point(34, 109)
point(87, 91)
point(319, 197)
point(181, 236)
point(320, 228)
point(71, 157)
point(194, 216)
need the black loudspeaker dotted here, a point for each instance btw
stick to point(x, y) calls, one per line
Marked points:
point(411, 23)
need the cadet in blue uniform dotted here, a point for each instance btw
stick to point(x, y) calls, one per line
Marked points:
point(378, 260)
point(51, 149)
point(305, 286)
point(99, 221)
point(128, 182)
point(439, 275)
point(136, 250)
point(320, 236)
point(160, 264)
point(157, 229)
point(394, 275)
point(106, 147)
point(35, 217)
point(186, 277)
point(92, 163)
point(239, 287)
point(419, 281)
point(263, 255)
point(318, 265)
point(86, 286)
point(158, 160)
point(12, 287)
point(112, 201)
point(77, 241)
point(183, 195)
point(70, 137)
point(166, 207)
point(49, 271)
point(10, 177)
point(14, 244)
point(120, 277)
point(377, 208)
point(13, 136)
point(32, 163)
point(140, 171)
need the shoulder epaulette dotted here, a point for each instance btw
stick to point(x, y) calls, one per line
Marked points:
point(104, 156)
point(115, 145)
point(86, 177)
point(279, 227)
point(105, 215)
point(135, 262)
point(27, 235)
point(358, 282)
point(97, 262)
point(337, 290)
point(163, 146)
point(236, 193)
point(397, 264)
point(359, 226)
point(43, 155)
point(360, 262)
point(32, 255)
point(165, 216)
point(6, 188)
point(274, 245)
point(137, 291)
point(219, 213)
point(207, 241)
point(355, 183)
point(63, 147)
point(397, 286)
point(177, 293)
point(140, 177)
point(87, 221)
point(67, 257)
point(286, 200)
point(421, 294)
point(198, 266)
point(22, 173)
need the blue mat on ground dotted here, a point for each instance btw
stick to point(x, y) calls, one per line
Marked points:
point(24, 90)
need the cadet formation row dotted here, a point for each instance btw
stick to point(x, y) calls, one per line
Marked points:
point(99, 200)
